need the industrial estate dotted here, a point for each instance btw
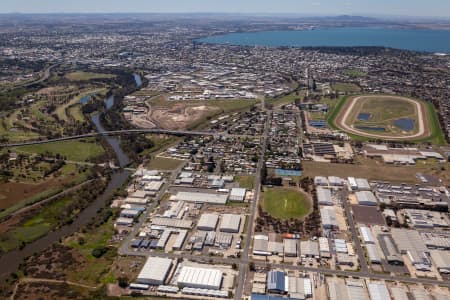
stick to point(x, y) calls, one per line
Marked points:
point(137, 162)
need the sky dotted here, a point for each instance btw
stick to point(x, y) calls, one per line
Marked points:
point(421, 8)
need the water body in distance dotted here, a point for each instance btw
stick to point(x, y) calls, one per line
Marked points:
point(409, 39)
point(138, 80)
point(85, 99)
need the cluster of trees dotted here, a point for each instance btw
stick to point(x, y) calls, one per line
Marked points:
point(265, 223)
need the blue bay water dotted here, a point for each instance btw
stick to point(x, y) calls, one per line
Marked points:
point(408, 39)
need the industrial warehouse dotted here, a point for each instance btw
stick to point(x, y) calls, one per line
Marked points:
point(171, 277)
point(204, 219)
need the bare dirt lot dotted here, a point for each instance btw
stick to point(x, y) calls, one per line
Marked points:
point(13, 192)
point(180, 117)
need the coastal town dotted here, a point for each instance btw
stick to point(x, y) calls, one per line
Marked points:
point(138, 161)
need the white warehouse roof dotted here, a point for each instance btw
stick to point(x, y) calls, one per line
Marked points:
point(200, 278)
point(378, 291)
point(208, 222)
point(366, 198)
point(155, 271)
point(309, 248)
point(200, 197)
point(324, 196)
point(328, 217)
point(366, 235)
point(237, 194)
point(372, 253)
point(363, 184)
point(230, 223)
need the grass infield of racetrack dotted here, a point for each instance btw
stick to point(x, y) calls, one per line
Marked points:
point(436, 134)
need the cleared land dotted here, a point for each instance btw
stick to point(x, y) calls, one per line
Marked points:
point(15, 195)
point(85, 76)
point(374, 170)
point(246, 181)
point(163, 163)
point(285, 203)
point(346, 87)
point(79, 150)
point(380, 113)
point(191, 114)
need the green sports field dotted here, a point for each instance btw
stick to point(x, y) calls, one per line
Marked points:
point(285, 203)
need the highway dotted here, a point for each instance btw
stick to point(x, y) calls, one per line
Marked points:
point(120, 132)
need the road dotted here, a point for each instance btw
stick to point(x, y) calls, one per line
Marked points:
point(263, 264)
point(124, 249)
point(120, 132)
point(243, 264)
point(354, 232)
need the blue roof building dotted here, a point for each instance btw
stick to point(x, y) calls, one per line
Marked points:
point(276, 282)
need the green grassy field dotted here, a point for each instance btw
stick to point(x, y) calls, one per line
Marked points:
point(346, 87)
point(437, 134)
point(61, 109)
point(37, 226)
point(285, 203)
point(162, 163)
point(50, 187)
point(283, 100)
point(75, 112)
point(247, 182)
point(94, 270)
point(77, 150)
point(85, 76)
point(355, 73)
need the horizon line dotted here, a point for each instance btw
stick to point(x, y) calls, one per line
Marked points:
point(231, 14)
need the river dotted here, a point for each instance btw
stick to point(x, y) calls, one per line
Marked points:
point(10, 261)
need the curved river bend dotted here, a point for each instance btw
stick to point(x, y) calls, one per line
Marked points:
point(10, 261)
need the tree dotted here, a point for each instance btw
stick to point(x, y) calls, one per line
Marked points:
point(99, 251)
point(251, 266)
point(122, 281)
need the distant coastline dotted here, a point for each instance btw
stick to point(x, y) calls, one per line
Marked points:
point(412, 39)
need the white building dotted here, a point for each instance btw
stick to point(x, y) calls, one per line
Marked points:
point(309, 249)
point(328, 218)
point(210, 198)
point(290, 247)
point(366, 198)
point(237, 194)
point(208, 222)
point(366, 235)
point(324, 247)
point(155, 271)
point(324, 196)
point(202, 278)
point(230, 223)
point(378, 291)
